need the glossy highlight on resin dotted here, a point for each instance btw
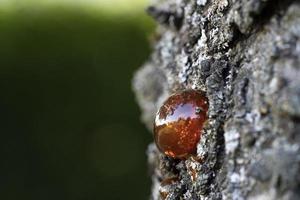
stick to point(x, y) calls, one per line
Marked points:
point(179, 123)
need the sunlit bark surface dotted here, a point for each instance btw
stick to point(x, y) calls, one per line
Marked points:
point(245, 54)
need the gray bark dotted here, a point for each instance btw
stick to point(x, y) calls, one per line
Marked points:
point(245, 54)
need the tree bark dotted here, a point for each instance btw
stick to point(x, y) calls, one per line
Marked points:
point(245, 54)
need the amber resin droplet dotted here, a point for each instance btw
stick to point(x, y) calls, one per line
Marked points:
point(179, 123)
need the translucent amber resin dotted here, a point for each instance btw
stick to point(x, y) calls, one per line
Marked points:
point(179, 123)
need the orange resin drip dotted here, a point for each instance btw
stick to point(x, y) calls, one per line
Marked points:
point(179, 122)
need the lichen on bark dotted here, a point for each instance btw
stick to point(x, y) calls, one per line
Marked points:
point(246, 56)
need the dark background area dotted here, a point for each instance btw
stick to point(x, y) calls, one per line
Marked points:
point(69, 123)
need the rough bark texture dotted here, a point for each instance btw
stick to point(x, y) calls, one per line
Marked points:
point(246, 55)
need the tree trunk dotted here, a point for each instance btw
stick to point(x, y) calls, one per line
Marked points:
point(245, 54)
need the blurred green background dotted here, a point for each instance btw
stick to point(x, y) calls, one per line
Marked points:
point(69, 123)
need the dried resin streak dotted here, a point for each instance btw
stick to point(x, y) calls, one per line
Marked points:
point(179, 123)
